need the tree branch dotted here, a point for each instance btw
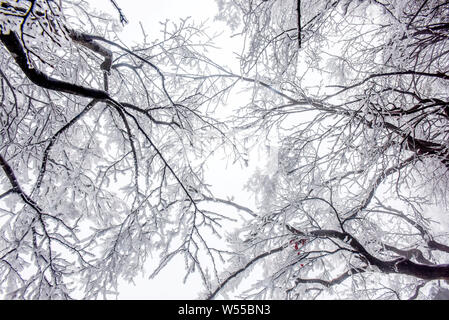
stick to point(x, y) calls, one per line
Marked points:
point(298, 15)
point(236, 273)
point(400, 266)
point(88, 42)
point(334, 281)
point(14, 46)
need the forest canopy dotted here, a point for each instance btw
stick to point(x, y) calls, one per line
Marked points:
point(105, 149)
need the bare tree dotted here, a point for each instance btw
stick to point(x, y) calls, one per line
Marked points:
point(357, 207)
point(102, 150)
